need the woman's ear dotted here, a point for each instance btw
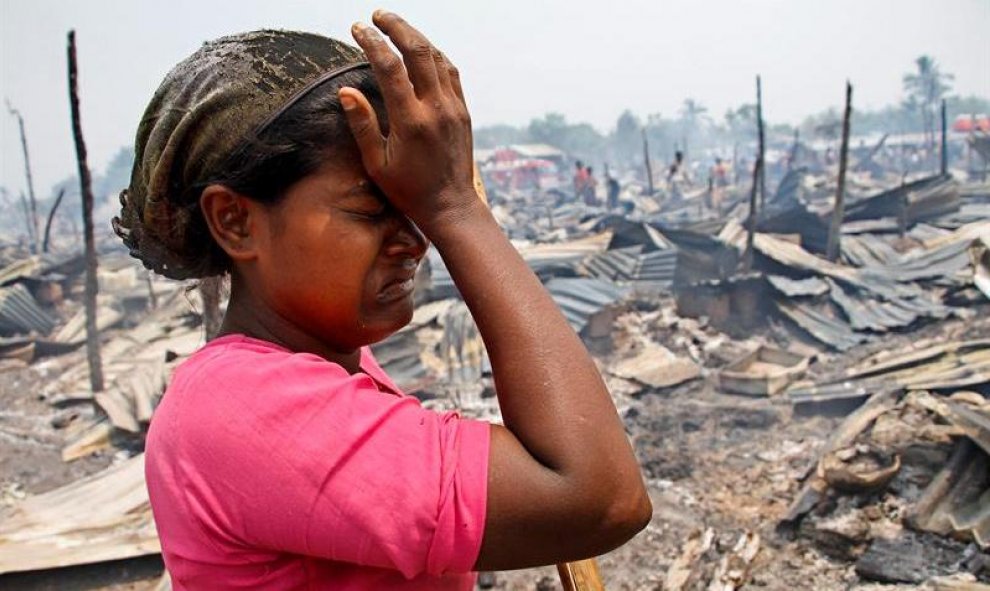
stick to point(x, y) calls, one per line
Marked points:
point(232, 219)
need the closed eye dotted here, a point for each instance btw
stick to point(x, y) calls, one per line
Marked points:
point(367, 201)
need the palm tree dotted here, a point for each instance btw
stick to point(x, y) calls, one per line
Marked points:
point(925, 88)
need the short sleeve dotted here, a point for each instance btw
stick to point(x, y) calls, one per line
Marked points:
point(288, 452)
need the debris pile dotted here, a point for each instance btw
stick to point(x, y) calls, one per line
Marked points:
point(728, 363)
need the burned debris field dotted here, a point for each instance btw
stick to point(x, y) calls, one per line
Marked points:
point(793, 322)
point(801, 423)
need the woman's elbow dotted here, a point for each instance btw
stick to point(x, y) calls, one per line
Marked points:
point(628, 514)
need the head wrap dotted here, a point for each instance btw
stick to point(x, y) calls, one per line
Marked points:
point(206, 107)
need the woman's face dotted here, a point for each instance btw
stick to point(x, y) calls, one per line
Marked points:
point(336, 260)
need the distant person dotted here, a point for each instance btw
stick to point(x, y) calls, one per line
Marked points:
point(580, 179)
point(612, 190)
point(677, 176)
point(590, 187)
point(720, 180)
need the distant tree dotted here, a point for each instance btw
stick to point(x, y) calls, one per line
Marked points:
point(741, 122)
point(493, 136)
point(580, 140)
point(966, 105)
point(551, 129)
point(661, 133)
point(116, 176)
point(925, 88)
point(693, 115)
point(628, 138)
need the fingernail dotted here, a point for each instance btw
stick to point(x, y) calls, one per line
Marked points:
point(347, 102)
point(378, 13)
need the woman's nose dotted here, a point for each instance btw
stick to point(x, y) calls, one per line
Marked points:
point(406, 239)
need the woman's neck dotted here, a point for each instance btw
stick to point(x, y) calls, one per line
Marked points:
point(248, 315)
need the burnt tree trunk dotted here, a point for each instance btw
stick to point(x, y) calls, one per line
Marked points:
point(51, 216)
point(86, 189)
point(835, 230)
point(32, 214)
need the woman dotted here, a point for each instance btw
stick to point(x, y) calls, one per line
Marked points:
point(282, 456)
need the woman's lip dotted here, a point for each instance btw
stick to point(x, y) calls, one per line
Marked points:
point(397, 289)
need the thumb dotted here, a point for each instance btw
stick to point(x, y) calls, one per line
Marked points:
point(363, 121)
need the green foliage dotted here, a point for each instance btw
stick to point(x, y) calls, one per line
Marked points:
point(493, 136)
point(581, 140)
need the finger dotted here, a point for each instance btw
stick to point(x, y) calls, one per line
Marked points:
point(397, 90)
point(454, 75)
point(417, 51)
point(443, 70)
point(363, 121)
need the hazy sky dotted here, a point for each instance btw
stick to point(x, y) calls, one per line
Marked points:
point(519, 58)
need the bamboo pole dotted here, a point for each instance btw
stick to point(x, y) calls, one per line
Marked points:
point(838, 212)
point(86, 189)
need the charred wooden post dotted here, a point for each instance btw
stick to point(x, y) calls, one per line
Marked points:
point(762, 146)
point(86, 189)
point(751, 229)
point(649, 166)
point(792, 156)
point(735, 163)
point(26, 210)
point(32, 202)
point(209, 290)
point(51, 216)
point(838, 212)
point(152, 297)
point(945, 143)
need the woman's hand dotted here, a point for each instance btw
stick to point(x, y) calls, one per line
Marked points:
point(424, 165)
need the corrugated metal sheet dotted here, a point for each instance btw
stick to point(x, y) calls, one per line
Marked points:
point(656, 268)
point(399, 356)
point(828, 330)
point(618, 265)
point(20, 313)
point(868, 250)
point(924, 199)
point(867, 313)
point(945, 366)
point(580, 299)
point(811, 286)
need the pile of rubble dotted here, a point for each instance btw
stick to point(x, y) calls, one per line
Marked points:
point(706, 348)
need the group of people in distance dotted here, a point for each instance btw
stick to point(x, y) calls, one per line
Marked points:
point(585, 184)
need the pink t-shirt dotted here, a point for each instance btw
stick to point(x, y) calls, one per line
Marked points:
point(269, 469)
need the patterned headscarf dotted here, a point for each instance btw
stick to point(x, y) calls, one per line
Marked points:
point(208, 106)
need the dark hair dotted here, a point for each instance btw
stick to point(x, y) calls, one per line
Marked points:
point(265, 165)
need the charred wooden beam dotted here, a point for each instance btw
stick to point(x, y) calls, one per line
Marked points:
point(86, 189)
